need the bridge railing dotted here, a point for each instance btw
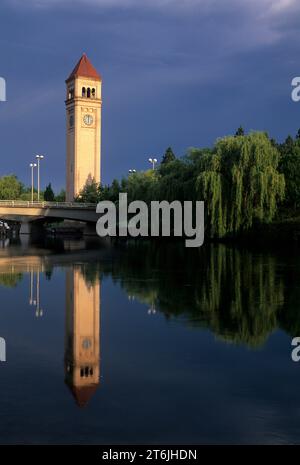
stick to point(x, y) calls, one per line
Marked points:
point(29, 204)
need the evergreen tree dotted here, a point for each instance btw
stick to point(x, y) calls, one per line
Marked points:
point(289, 165)
point(288, 146)
point(91, 193)
point(240, 132)
point(168, 156)
point(49, 194)
point(61, 196)
point(115, 189)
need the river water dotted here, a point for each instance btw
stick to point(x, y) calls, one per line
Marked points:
point(146, 343)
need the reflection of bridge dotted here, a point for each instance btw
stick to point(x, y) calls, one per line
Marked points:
point(37, 213)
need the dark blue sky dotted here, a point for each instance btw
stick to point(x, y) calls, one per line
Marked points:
point(175, 72)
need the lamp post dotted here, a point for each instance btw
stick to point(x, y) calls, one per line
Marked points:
point(39, 310)
point(39, 158)
point(131, 171)
point(32, 166)
point(152, 161)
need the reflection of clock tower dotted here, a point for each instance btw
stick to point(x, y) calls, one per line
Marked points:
point(83, 106)
point(82, 340)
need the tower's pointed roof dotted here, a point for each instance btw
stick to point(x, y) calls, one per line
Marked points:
point(84, 68)
point(82, 394)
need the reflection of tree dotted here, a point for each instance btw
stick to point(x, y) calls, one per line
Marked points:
point(11, 279)
point(235, 293)
point(240, 295)
point(289, 315)
point(48, 274)
point(90, 272)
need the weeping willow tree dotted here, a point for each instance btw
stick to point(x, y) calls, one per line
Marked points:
point(240, 183)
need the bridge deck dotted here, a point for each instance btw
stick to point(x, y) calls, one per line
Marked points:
point(26, 211)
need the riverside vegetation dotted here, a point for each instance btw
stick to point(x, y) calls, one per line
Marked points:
point(245, 180)
point(248, 182)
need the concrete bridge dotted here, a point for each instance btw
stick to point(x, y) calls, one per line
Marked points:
point(30, 214)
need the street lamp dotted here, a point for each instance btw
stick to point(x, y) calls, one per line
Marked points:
point(152, 310)
point(39, 158)
point(153, 161)
point(32, 166)
point(131, 171)
point(39, 310)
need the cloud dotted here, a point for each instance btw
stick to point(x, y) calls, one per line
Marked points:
point(271, 6)
point(265, 19)
point(278, 6)
point(112, 3)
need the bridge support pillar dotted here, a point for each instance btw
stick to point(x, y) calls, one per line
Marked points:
point(31, 227)
point(25, 227)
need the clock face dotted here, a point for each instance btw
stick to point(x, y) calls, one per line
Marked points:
point(86, 343)
point(88, 120)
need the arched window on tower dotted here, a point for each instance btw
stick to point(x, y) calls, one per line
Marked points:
point(93, 92)
point(83, 92)
point(71, 93)
point(88, 93)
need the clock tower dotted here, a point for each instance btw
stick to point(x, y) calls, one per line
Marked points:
point(83, 108)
